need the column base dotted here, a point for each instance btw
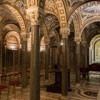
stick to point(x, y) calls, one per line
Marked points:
point(64, 97)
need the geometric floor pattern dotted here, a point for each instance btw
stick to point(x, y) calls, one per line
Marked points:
point(86, 91)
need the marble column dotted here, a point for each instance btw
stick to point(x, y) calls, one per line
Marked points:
point(65, 68)
point(86, 55)
point(24, 64)
point(19, 67)
point(58, 57)
point(1, 57)
point(50, 57)
point(35, 68)
point(78, 62)
point(47, 52)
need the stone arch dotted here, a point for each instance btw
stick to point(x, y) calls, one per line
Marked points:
point(11, 27)
point(84, 15)
point(61, 13)
point(12, 44)
point(96, 38)
point(44, 30)
point(50, 23)
point(92, 51)
point(18, 16)
point(90, 21)
point(15, 34)
point(53, 28)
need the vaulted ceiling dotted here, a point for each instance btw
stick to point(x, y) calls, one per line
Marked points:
point(58, 16)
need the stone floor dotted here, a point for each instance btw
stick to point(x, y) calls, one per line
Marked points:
point(87, 90)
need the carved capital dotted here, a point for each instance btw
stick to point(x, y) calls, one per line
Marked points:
point(24, 37)
point(47, 41)
point(84, 43)
point(64, 32)
point(77, 40)
point(33, 15)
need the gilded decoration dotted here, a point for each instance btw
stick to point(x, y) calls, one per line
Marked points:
point(84, 15)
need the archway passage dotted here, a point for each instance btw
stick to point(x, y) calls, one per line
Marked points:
point(94, 50)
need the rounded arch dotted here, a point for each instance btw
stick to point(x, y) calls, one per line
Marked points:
point(12, 40)
point(15, 34)
point(44, 30)
point(90, 21)
point(94, 55)
point(18, 17)
point(94, 39)
point(50, 22)
point(87, 13)
point(11, 27)
point(61, 12)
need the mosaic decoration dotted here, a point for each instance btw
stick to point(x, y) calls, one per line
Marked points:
point(72, 2)
point(85, 15)
point(51, 21)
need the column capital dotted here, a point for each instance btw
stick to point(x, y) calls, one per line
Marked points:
point(47, 41)
point(33, 15)
point(64, 32)
point(24, 38)
point(84, 43)
point(77, 40)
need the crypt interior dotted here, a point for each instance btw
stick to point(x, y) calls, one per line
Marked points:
point(49, 49)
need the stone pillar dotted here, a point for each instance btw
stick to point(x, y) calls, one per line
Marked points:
point(33, 13)
point(24, 64)
point(86, 55)
point(58, 57)
point(50, 57)
point(35, 68)
point(85, 48)
point(13, 51)
point(5, 56)
point(47, 56)
point(1, 57)
point(19, 67)
point(78, 62)
point(65, 67)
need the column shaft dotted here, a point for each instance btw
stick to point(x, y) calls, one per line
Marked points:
point(35, 68)
point(47, 51)
point(0, 57)
point(24, 65)
point(85, 56)
point(78, 63)
point(65, 69)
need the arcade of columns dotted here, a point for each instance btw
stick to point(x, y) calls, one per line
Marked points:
point(35, 12)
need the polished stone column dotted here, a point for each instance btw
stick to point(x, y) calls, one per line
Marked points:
point(78, 62)
point(1, 57)
point(24, 64)
point(83, 56)
point(85, 49)
point(5, 56)
point(58, 57)
point(65, 68)
point(19, 67)
point(47, 52)
point(86, 56)
point(35, 68)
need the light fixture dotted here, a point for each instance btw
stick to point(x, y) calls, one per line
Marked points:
point(62, 43)
point(42, 48)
